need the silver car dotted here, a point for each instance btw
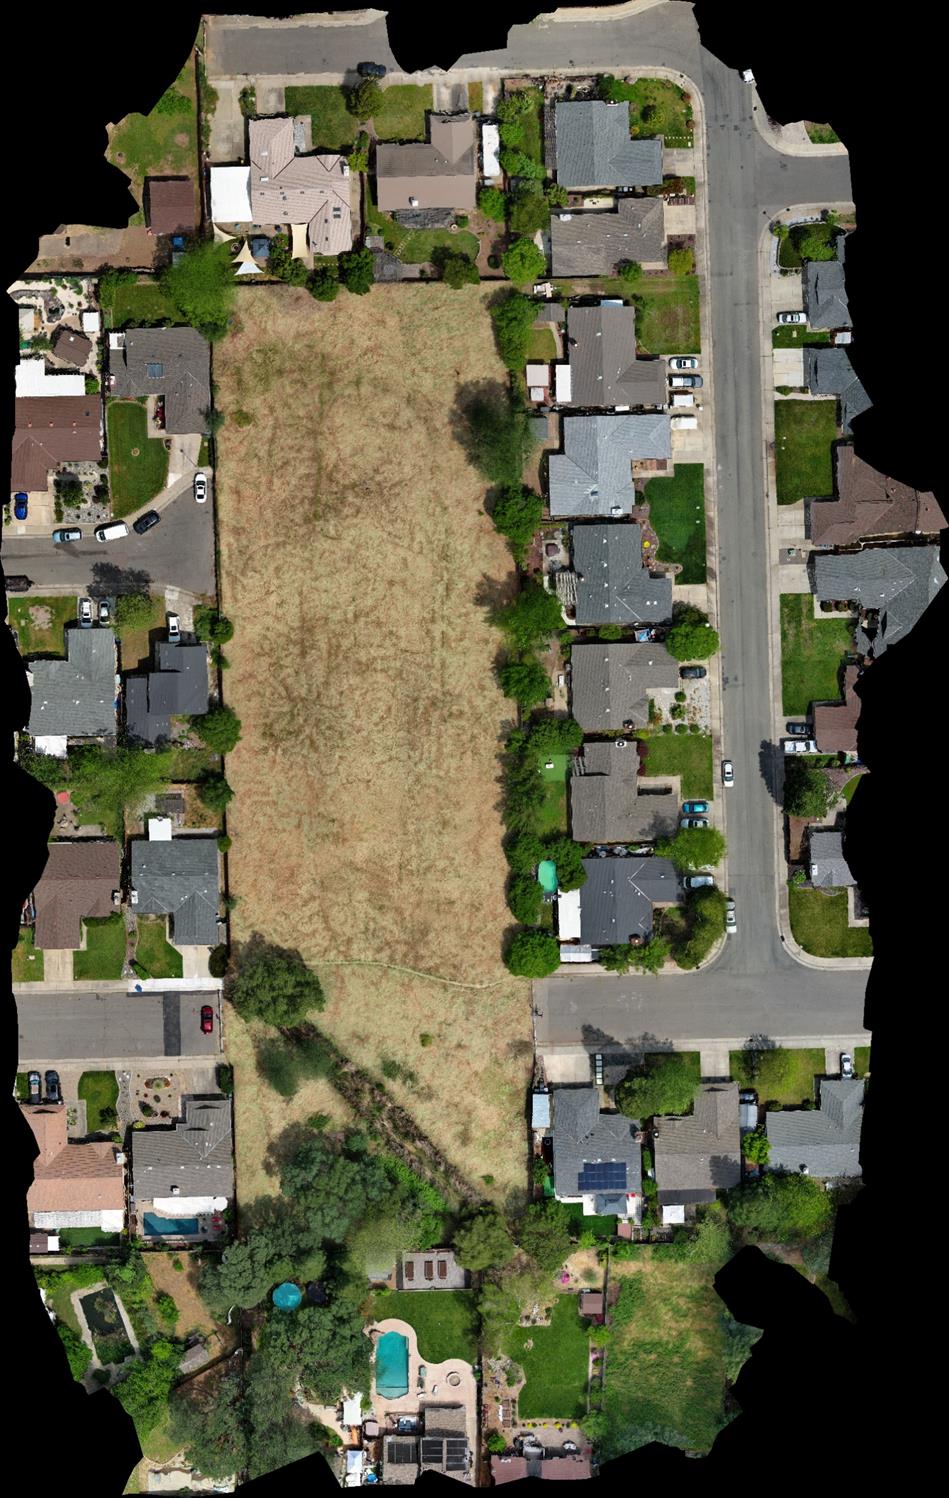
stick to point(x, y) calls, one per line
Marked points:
point(846, 1065)
point(731, 923)
point(728, 772)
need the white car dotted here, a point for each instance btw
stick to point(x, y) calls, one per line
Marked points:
point(200, 487)
point(792, 317)
point(85, 613)
point(846, 1066)
point(684, 363)
point(731, 924)
point(174, 628)
point(800, 746)
point(728, 772)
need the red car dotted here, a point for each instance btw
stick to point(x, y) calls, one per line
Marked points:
point(207, 1018)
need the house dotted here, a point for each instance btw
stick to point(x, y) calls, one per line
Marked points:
point(822, 1142)
point(435, 1269)
point(74, 698)
point(177, 687)
point(178, 877)
point(595, 148)
point(699, 1153)
point(441, 172)
point(605, 801)
point(825, 292)
point(77, 884)
point(611, 682)
point(316, 191)
point(828, 371)
point(869, 503)
point(32, 379)
point(560, 1467)
point(594, 243)
point(72, 346)
point(173, 362)
point(603, 369)
point(74, 1185)
point(897, 582)
point(593, 1305)
point(835, 723)
point(188, 1169)
point(50, 430)
point(613, 582)
point(593, 475)
point(597, 1159)
point(169, 205)
point(617, 900)
point(828, 867)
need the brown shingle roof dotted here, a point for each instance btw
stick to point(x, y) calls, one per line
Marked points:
point(169, 205)
point(78, 881)
point(508, 1468)
point(563, 1468)
point(52, 429)
point(835, 723)
point(440, 173)
point(71, 1177)
point(591, 1303)
point(870, 503)
point(71, 345)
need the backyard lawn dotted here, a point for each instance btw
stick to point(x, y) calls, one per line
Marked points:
point(446, 1322)
point(667, 314)
point(39, 622)
point(138, 464)
point(819, 924)
point(812, 653)
point(555, 1362)
point(788, 336)
point(541, 345)
point(784, 1076)
point(677, 514)
point(153, 952)
point(419, 244)
point(685, 754)
point(140, 304)
point(104, 954)
point(99, 1090)
point(190, 764)
point(27, 959)
point(803, 433)
point(552, 816)
point(162, 143)
point(402, 116)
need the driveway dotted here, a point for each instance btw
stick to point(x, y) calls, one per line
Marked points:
point(109, 1029)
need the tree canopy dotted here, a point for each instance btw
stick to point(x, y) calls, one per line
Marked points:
point(530, 618)
point(556, 735)
point(807, 790)
point(517, 514)
point(323, 1345)
point(666, 1084)
point(568, 856)
point(691, 637)
point(214, 1431)
point(458, 270)
point(493, 204)
point(513, 316)
point(497, 436)
point(524, 681)
point(324, 283)
point(364, 99)
point(693, 848)
point(214, 790)
point(355, 271)
point(781, 1207)
point(212, 626)
point(483, 1241)
point(524, 898)
point(274, 984)
point(144, 1391)
point(220, 729)
point(533, 953)
point(106, 781)
point(524, 261)
point(651, 957)
point(201, 287)
point(529, 209)
point(544, 1234)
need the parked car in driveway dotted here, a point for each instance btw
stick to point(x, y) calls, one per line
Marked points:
point(692, 673)
point(797, 730)
point(698, 881)
point(728, 772)
point(731, 922)
point(207, 1019)
point(85, 613)
point(684, 362)
point(792, 317)
point(145, 522)
point(36, 1087)
point(693, 821)
point(21, 506)
point(799, 746)
point(105, 613)
point(113, 530)
point(200, 487)
point(846, 1065)
point(694, 808)
point(67, 533)
point(174, 629)
point(53, 1094)
point(685, 382)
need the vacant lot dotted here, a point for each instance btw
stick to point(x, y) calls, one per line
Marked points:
point(40, 622)
point(812, 653)
point(803, 433)
point(365, 822)
point(677, 515)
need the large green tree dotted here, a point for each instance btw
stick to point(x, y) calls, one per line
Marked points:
point(278, 1433)
point(324, 1345)
point(781, 1207)
point(214, 790)
point(705, 923)
point(493, 204)
point(530, 618)
point(498, 437)
point(756, 1147)
point(355, 271)
point(274, 984)
point(213, 1430)
point(483, 1241)
point(532, 953)
point(145, 1389)
point(665, 1084)
point(524, 852)
point(651, 957)
point(568, 856)
point(365, 99)
point(220, 729)
point(107, 781)
point(525, 681)
point(691, 637)
point(524, 261)
point(693, 848)
point(458, 270)
point(524, 898)
point(555, 735)
point(201, 287)
point(513, 317)
point(544, 1234)
point(529, 209)
point(807, 791)
point(77, 1352)
point(517, 514)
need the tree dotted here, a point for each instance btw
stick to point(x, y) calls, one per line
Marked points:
point(530, 618)
point(214, 790)
point(483, 1241)
point(278, 1435)
point(556, 194)
point(323, 1345)
point(496, 1443)
point(524, 852)
point(248, 1271)
point(458, 270)
point(533, 953)
point(544, 1234)
point(106, 781)
point(211, 626)
point(817, 246)
point(335, 1188)
point(682, 262)
point(756, 1147)
point(516, 163)
point(523, 788)
point(201, 287)
point(630, 271)
point(693, 848)
point(691, 637)
point(524, 681)
point(77, 1352)
point(568, 856)
point(705, 909)
point(807, 791)
point(220, 729)
point(218, 961)
point(739, 1339)
point(781, 1207)
point(493, 204)
point(355, 271)
point(144, 1391)
point(132, 611)
point(666, 1084)
point(524, 261)
point(651, 957)
point(528, 208)
point(213, 1431)
point(273, 984)
point(365, 99)
point(497, 435)
point(517, 515)
point(524, 898)
point(555, 735)
point(324, 283)
point(513, 316)
point(280, 262)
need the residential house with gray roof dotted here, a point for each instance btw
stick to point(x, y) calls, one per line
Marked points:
point(177, 687)
point(611, 682)
point(897, 582)
point(595, 148)
point(823, 1141)
point(594, 475)
point(178, 877)
point(603, 370)
point(173, 362)
point(188, 1169)
point(74, 698)
point(699, 1153)
point(597, 1159)
point(828, 371)
point(828, 867)
point(594, 242)
point(614, 584)
point(617, 900)
point(606, 801)
point(825, 292)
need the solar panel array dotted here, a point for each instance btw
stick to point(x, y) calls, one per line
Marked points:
point(602, 1175)
point(451, 1452)
point(401, 1452)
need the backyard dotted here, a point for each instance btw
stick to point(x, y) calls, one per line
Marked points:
point(153, 953)
point(819, 924)
point(372, 754)
point(416, 246)
point(104, 953)
point(686, 754)
point(27, 959)
point(99, 1090)
point(402, 116)
point(445, 1321)
point(812, 653)
point(40, 622)
point(138, 464)
point(163, 143)
point(139, 304)
point(555, 1362)
point(677, 515)
point(782, 1076)
point(552, 815)
point(101, 1311)
point(803, 433)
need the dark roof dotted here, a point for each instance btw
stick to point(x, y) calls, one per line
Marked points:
point(169, 205)
point(825, 293)
point(594, 243)
point(179, 878)
point(614, 585)
point(595, 149)
point(173, 362)
point(825, 1139)
point(585, 1139)
point(835, 723)
point(699, 1152)
point(828, 371)
point(611, 681)
point(53, 429)
point(77, 883)
point(829, 869)
point(899, 582)
point(604, 370)
point(593, 475)
point(605, 805)
point(75, 697)
point(869, 503)
point(196, 1155)
point(72, 345)
point(179, 687)
point(617, 899)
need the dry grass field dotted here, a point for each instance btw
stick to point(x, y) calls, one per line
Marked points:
point(356, 558)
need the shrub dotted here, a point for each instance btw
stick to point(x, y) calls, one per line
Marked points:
point(691, 637)
point(218, 961)
point(496, 1443)
point(524, 681)
point(512, 318)
point(556, 194)
point(324, 283)
point(224, 1076)
point(680, 696)
point(132, 611)
point(532, 953)
point(681, 262)
point(667, 728)
point(494, 261)
point(524, 899)
point(681, 727)
point(517, 514)
point(461, 222)
point(630, 271)
point(167, 1309)
point(364, 99)
point(517, 164)
point(425, 1039)
point(214, 790)
point(458, 270)
point(212, 626)
point(355, 271)
point(359, 153)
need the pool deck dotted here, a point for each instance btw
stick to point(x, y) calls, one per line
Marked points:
point(437, 1388)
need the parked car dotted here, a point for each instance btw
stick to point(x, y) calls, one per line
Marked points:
point(67, 533)
point(53, 1094)
point(731, 923)
point(692, 673)
point(36, 1088)
point(748, 1095)
point(85, 613)
point(687, 362)
point(207, 1019)
point(799, 746)
point(693, 821)
point(797, 730)
point(113, 530)
point(200, 487)
point(846, 1065)
point(105, 613)
point(792, 317)
point(21, 505)
point(174, 628)
point(18, 582)
point(370, 69)
point(728, 772)
point(694, 808)
point(685, 381)
point(145, 522)
point(698, 881)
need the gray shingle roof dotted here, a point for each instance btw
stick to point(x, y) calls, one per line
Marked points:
point(75, 697)
point(594, 243)
point(827, 1139)
point(829, 868)
point(196, 1155)
point(699, 1153)
point(825, 294)
point(613, 584)
point(174, 362)
point(179, 687)
point(595, 149)
point(828, 371)
point(898, 581)
point(604, 370)
point(582, 1135)
point(605, 805)
point(617, 899)
point(610, 682)
point(593, 474)
point(179, 878)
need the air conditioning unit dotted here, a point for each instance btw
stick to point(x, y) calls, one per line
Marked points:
point(133, 897)
point(616, 511)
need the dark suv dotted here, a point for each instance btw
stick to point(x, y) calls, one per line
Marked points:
point(370, 70)
point(692, 673)
point(53, 1094)
point(145, 522)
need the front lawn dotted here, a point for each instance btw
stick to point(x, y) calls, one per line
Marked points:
point(667, 315)
point(555, 1361)
point(138, 464)
point(797, 336)
point(821, 135)
point(784, 1076)
point(685, 754)
point(541, 346)
point(668, 112)
point(402, 116)
point(27, 959)
point(136, 640)
point(552, 815)
point(861, 1060)
point(803, 433)
point(819, 924)
point(812, 653)
point(445, 1321)
point(850, 787)
point(677, 514)
point(334, 127)
point(153, 952)
point(104, 954)
point(40, 622)
point(138, 304)
point(99, 1090)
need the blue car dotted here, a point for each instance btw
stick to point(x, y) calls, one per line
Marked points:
point(21, 506)
point(694, 808)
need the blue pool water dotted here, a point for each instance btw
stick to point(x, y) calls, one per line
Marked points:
point(156, 1227)
point(392, 1365)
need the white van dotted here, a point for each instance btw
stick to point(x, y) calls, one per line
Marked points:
point(683, 423)
point(113, 531)
point(683, 400)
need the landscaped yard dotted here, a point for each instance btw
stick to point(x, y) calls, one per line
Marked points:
point(541, 345)
point(812, 653)
point(136, 640)
point(685, 754)
point(140, 304)
point(105, 1323)
point(162, 143)
point(667, 314)
point(402, 116)
point(803, 433)
point(104, 954)
point(600, 1227)
point(87, 1238)
point(419, 245)
point(445, 1321)
point(27, 959)
point(677, 514)
point(153, 952)
point(668, 112)
point(793, 1087)
point(797, 336)
point(138, 464)
point(821, 135)
point(789, 252)
point(819, 924)
point(555, 1360)
point(39, 622)
point(552, 816)
point(99, 1090)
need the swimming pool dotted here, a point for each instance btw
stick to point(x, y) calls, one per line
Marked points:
point(392, 1365)
point(547, 876)
point(181, 1227)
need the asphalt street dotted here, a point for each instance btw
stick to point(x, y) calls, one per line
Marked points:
point(97, 1026)
point(262, 50)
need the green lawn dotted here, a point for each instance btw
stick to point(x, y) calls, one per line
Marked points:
point(773, 1083)
point(803, 433)
point(418, 245)
point(552, 816)
point(554, 1364)
point(104, 955)
point(685, 754)
point(39, 622)
point(22, 1086)
point(141, 304)
point(190, 764)
point(812, 653)
point(667, 314)
point(821, 135)
point(402, 116)
point(798, 336)
point(850, 787)
point(99, 1089)
point(601, 1227)
point(333, 126)
point(671, 115)
point(541, 345)
point(138, 464)
point(136, 639)
point(819, 924)
point(861, 1060)
point(162, 142)
point(27, 959)
point(445, 1322)
point(87, 1238)
point(677, 514)
point(153, 952)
